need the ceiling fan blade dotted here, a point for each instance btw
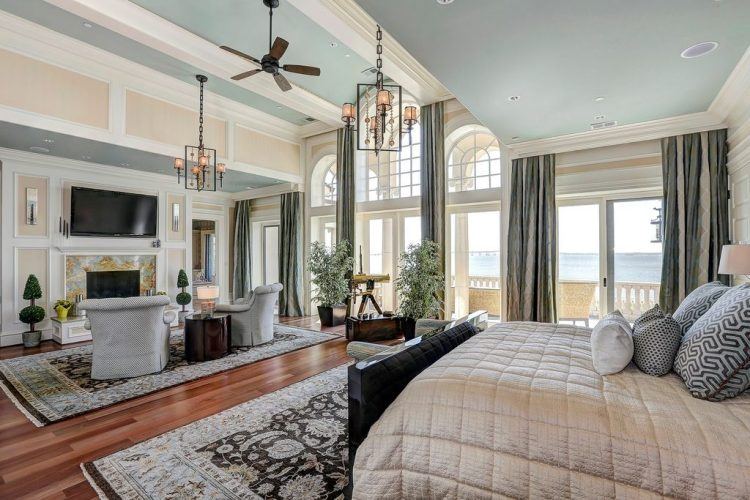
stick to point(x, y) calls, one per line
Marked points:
point(241, 54)
point(278, 48)
point(282, 82)
point(301, 69)
point(246, 74)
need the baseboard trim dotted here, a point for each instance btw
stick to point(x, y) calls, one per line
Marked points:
point(8, 339)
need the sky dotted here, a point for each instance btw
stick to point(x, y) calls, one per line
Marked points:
point(578, 227)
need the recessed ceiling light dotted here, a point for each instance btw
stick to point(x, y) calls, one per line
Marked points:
point(278, 107)
point(49, 141)
point(444, 2)
point(514, 98)
point(85, 157)
point(39, 149)
point(334, 45)
point(599, 99)
point(599, 117)
point(699, 49)
point(87, 24)
point(125, 164)
point(347, 55)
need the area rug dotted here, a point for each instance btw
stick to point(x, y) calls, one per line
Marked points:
point(53, 386)
point(291, 443)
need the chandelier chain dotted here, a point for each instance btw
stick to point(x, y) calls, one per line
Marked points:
point(200, 121)
point(379, 60)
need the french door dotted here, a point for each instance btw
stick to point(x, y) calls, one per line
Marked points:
point(609, 257)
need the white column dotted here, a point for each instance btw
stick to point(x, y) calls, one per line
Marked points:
point(461, 270)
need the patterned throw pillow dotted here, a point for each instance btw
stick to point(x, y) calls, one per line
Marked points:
point(656, 339)
point(697, 303)
point(714, 358)
point(611, 344)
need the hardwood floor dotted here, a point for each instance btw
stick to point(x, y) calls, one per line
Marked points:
point(44, 462)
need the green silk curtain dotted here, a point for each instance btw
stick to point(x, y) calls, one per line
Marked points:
point(291, 255)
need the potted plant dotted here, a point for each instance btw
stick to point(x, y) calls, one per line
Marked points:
point(183, 298)
point(420, 280)
point(330, 269)
point(62, 307)
point(31, 314)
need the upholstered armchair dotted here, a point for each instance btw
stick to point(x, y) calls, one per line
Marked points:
point(252, 317)
point(130, 335)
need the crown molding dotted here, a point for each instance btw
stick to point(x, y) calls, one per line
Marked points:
point(317, 128)
point(734, 90)
point(636, 132)
point(264, 192)
point(143, 26)
point(348, 22)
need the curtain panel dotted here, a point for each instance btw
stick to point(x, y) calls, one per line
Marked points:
point(532, 245)
point(345, 186)
point(432, 178)
point(696, 213)
point(291, 255)
point(241, 277)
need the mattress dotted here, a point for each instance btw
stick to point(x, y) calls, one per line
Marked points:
point(518, 411)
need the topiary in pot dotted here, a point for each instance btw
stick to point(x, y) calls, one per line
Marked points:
point(329, 269)
point(420, 280)
point(183, 298)
point(31, 314)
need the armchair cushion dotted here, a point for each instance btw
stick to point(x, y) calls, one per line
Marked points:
point(169, 316)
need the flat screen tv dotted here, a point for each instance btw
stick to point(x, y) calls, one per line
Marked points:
point(94, 212)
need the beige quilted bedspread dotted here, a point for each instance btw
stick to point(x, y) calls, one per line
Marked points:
point(518, 411)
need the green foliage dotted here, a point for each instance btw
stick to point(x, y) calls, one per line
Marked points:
point(330, 270)
point(184, 298)
point(31, 315)
point(419, 281)
point(63, 302)
point(161, 292)
point(182, 280)
point(32, 290)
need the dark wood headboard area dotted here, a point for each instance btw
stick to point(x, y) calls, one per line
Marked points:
point(376, 382)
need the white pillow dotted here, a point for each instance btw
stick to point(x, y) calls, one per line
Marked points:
point(611, 344)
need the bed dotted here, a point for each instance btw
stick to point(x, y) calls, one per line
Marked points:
point(518, 411)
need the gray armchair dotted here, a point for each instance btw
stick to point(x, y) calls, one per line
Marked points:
point(130, 335)
point(252, 317)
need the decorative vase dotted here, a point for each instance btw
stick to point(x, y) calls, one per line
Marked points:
point(31, 339)
point(408, 327)
point(332, 315)
point(181, 317)
point(62, 312)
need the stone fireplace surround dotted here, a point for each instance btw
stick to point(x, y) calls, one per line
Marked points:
point(76, 267)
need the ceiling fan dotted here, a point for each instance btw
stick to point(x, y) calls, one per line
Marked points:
point(270, 62)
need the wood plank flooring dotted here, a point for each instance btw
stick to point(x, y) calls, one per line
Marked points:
point(44, 462)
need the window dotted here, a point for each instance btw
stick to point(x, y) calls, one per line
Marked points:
point(323, 182)
point(474, 161)
point(395, 174)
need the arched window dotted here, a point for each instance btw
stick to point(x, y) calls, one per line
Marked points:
point(323, 182)
point(395, 174)
point(474, 161)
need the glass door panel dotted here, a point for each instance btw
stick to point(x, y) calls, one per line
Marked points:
point(474, 263)
point(380, 259)
point(412, 231)
point(578, 298)
point(270, 254)
point(634, 255)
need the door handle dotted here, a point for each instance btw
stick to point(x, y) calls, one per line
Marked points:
point(604, 282)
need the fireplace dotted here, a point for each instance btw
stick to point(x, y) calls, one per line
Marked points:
point(105, 284)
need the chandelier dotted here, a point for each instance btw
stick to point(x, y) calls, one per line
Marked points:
point(378, 114)
point(199, 163)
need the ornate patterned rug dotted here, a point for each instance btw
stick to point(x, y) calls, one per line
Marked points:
point(53, 386)
point(291, 443)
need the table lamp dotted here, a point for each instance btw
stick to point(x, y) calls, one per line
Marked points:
point(207, 295)
point(735, 259)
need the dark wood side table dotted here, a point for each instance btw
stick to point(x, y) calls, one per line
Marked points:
point(207, 337)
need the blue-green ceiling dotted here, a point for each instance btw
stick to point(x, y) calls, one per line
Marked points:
point(57, 19)
point(558, 56)
point(24, 138)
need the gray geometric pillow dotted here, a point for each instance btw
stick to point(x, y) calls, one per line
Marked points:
point(714, 358)
point(656, 339)
point(697, 303)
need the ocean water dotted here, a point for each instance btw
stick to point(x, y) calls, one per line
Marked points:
point(629, 267)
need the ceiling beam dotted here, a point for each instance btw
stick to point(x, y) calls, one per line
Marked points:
point(348, 22)
point(143, 26)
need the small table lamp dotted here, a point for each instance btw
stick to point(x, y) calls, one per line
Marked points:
point(207, 295)
point(735, 259)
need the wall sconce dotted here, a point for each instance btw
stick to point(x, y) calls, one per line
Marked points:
point(179, 165)
point(347, 114)
point(220, 169)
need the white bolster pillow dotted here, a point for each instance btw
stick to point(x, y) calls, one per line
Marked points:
point(611, 344)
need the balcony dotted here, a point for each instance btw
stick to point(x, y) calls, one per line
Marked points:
point(578, 301)
point(482, 292)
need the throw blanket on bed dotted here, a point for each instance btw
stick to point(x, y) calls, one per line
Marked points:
point(519, 411)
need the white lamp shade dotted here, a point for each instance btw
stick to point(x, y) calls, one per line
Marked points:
point(208, 292)
point(735, 259)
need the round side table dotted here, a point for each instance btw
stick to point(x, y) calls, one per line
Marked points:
point(207, 337)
